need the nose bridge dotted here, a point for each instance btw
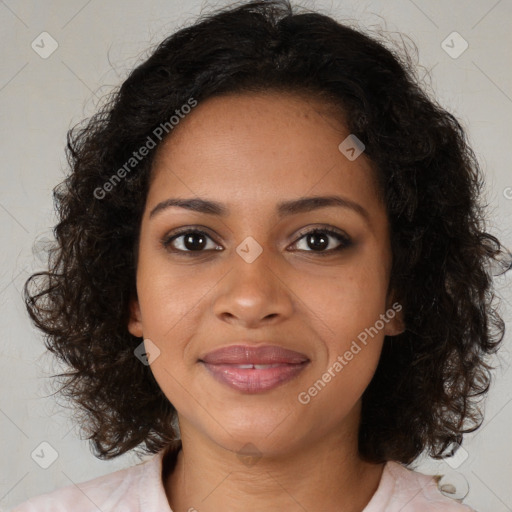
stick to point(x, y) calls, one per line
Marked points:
point(252, 289)
point(252, 273)
point(252, 267)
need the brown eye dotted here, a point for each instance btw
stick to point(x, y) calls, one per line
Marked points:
point(320, 240)
point(190, 240)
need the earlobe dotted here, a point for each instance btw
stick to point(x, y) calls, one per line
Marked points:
point(396, 325)
point(395, 314)
point(135, 320)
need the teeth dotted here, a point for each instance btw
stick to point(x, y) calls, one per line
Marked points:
point(257, 366)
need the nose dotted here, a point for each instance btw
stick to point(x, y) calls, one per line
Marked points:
point(253, 294)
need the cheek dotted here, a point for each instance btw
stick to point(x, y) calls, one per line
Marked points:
point(170, 306)
point(350, 309)
point(169, 299)
point(347, 301)
point(336, 391)
point(349, 306)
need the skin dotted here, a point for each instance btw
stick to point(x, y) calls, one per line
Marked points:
point(249, 152)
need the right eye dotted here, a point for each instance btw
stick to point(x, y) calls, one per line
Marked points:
point(189, 241)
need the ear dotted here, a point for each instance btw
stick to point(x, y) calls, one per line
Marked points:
point(395, 315)
point(135, 320)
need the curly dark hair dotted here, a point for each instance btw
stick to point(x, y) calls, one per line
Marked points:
point(430, 380)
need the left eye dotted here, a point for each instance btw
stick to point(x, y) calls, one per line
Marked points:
point(319, 240)
point(191, 240)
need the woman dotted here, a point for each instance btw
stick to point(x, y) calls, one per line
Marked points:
point(271, 272)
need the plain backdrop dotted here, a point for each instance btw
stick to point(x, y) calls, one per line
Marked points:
point(96, 44)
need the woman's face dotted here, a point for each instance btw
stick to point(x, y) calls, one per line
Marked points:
point(254, 278)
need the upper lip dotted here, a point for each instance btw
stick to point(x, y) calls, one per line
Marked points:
point(247, 354)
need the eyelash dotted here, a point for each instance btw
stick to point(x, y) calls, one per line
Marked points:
point(344, 240)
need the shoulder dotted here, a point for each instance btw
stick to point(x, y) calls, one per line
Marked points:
point(107, 493)
point(420, 493)
point(402, 489)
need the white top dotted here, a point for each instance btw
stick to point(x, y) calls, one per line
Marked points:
point(140, 489)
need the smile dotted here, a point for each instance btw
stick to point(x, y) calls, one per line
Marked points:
point(254, 378)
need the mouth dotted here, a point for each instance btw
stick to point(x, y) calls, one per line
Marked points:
point(254, 369)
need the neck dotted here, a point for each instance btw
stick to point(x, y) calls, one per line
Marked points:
point(327, 474)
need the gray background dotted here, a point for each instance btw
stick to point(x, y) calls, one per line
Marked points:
point(98, 43)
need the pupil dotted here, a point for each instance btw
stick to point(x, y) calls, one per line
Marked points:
point(322, 244)
point(189, 241)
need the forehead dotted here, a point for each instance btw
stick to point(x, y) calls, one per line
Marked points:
point(262, 145)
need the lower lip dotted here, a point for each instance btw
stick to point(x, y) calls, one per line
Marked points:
point(251, 380)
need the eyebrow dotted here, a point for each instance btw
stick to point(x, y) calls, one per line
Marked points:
point(284, 208)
